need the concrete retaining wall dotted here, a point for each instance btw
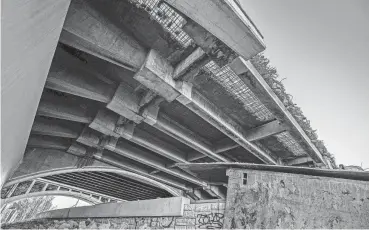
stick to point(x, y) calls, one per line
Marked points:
point(195, 216)
point(260, 199)
point(173, 206)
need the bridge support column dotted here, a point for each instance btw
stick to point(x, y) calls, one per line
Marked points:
point(30, 32)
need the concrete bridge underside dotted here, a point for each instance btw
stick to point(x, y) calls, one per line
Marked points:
point(140, 87)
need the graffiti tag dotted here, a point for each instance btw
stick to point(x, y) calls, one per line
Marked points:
point(210, 221)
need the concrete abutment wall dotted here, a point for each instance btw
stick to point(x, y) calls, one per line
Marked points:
point(260, 199)
point(176, 213)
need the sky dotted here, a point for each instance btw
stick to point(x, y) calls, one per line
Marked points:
point(67, 202)
point(321, 47)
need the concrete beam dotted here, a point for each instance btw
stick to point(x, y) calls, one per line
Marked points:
point(106, 122)
point(152, 143)
point(56, 127)
point(65, 78)
point(62, 109)
point(125, 102)
point(216, 191)
point(77, 149)
point(181, 133)
point(59, 143)
point(269, 129)
point(196, 102)
point(260, 132)
point(255, 82)
point(230, 25)
point(88, 30)
point(214, 48)
point(154, 66)
point(123, 148)
point(299, 160)
point(194, 60)
point(30, 33)
point(90, 138)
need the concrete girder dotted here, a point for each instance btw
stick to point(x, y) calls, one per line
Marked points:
point(210, 113)
point(155, 144)
point(136, 154)
point(211, 45)
point(160, 72)
point(106, 122)
point(154, 66)
point(93, 139)
point(77, 149)
point(299, 160)
point(58, 143)
point(125, 103)
point(123, 100)
point(253, 80)
point(216, 191)
point(86, 29)
point(77, 82)
point(260, 132)
point(179, 132)
point(90, 138)
point(189, 67)
point(55, 127)
point(231, 25)
point(63, 110)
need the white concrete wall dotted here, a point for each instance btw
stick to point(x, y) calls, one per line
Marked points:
point(30, 32)
point(173, 206)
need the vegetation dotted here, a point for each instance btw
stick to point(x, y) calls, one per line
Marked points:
point(270, 75)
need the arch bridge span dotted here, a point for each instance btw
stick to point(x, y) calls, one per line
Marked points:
point(95, 184)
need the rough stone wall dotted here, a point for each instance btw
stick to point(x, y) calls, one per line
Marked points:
point(196, 216)
point(281, 200)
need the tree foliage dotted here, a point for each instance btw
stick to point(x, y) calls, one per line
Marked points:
point(270, 75)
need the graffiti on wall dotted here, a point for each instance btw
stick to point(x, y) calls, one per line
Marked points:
point(210, 220)
point(154, 222)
